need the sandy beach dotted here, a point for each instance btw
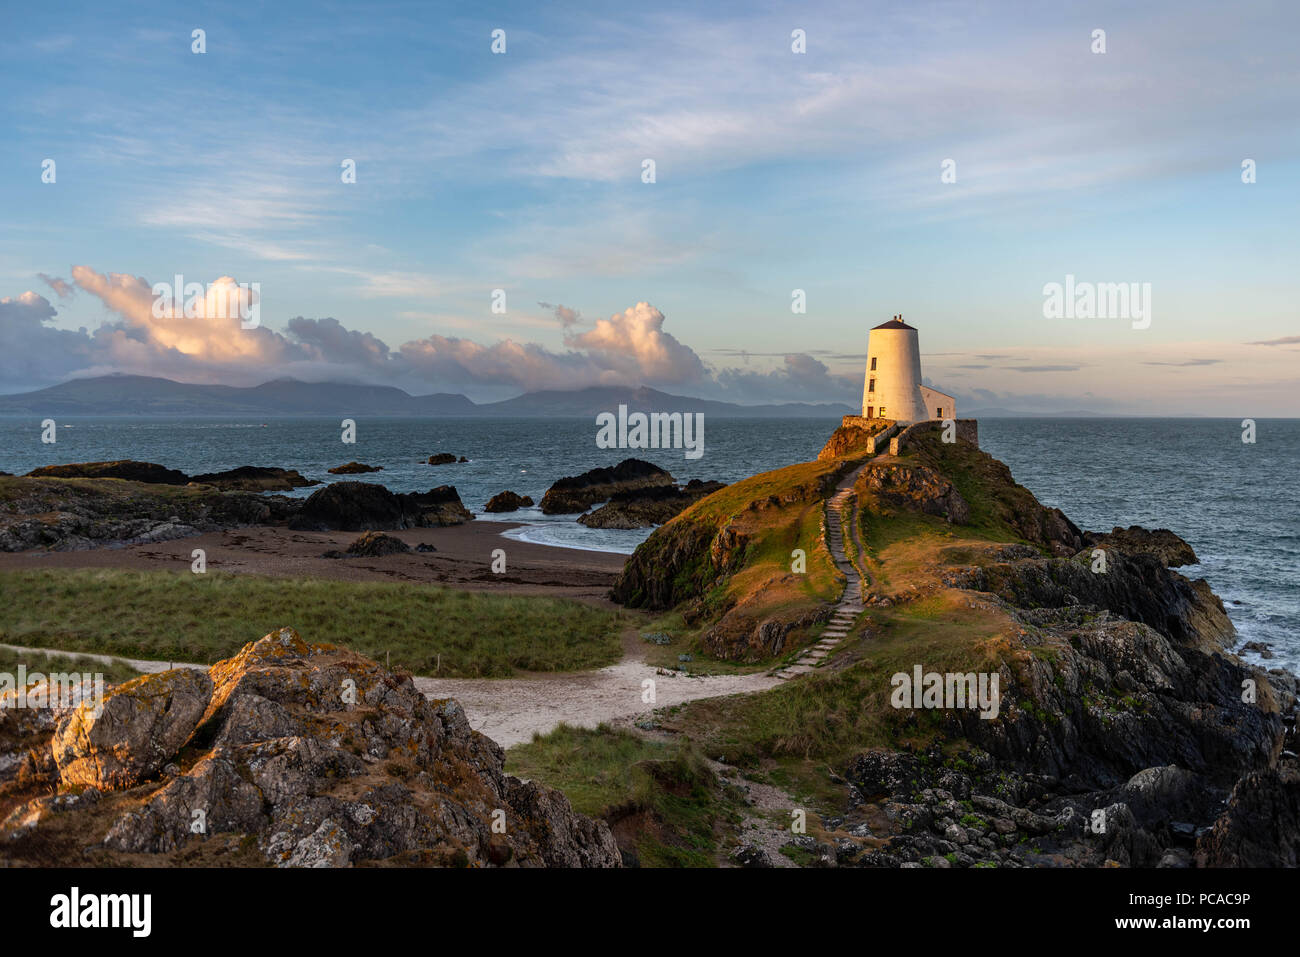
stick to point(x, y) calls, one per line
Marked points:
point(463, 559)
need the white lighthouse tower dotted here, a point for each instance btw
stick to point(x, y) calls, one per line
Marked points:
point(893, 388)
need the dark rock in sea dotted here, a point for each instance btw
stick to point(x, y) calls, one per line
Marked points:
point(442, 458)
point(361, 506)
point(1134, 540)
point(252, 478)
point(642, 508)
point(350, 507)
point(124, 469)
point(288, 771)
point(438, 506)
point(372, 545)
point(1259, 648)
point(462, 459)
point(354, 468)
point(578, 493)
point(507, 502)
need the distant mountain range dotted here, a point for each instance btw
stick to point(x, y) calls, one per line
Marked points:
point(149, 395)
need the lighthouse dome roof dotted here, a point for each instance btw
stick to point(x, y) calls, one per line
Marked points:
point(893, 324)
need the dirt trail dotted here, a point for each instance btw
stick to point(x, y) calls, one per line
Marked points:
point(511, 710)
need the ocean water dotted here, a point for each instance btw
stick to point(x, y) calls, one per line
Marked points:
point(1235, 503)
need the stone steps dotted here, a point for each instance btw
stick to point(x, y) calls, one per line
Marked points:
point(847, 611)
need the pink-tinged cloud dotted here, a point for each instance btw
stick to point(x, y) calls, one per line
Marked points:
point(205, 330)
point(633, 343)
point(201, 338)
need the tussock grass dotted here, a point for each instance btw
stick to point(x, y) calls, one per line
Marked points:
point(661, 799)
point(425, 629)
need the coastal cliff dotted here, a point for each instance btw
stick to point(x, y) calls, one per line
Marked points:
point(1125, 731)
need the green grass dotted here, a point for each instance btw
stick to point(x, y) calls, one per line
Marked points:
point(824, 718)
point(427, 630)
point(114, 672)
point(664, 792)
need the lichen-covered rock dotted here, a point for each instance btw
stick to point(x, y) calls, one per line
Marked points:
point(67, 514)
point(141, 725)
point(310, 756)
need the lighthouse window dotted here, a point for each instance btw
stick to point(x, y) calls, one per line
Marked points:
point(873, 363)
point(882, 411)
point(871, 385)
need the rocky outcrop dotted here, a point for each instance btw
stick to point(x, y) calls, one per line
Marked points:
point(1114, 745)
point(65, 515)
point(1136, 586)
point(1167, 547)
point(350, 507)
point(303, 756)
point(436, 507)
point(507, 502)
point(126, 469)
point(444, 458)
point(362, 506)
point(643, 508)
point(253, 478)
point(678, 563)
point(913, 488)
point(372, 545)
point(354, 468)
point(743, 634)
point(1261, 825)
point(142, 724)
point(854, 438)
point(578, 493)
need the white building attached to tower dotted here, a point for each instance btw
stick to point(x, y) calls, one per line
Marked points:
point(893, 388)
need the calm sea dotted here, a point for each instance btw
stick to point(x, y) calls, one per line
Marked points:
point(1234, 502)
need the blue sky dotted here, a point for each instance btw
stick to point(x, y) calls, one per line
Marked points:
point(775, 171)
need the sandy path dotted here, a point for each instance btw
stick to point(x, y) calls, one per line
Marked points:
point(512, 710)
